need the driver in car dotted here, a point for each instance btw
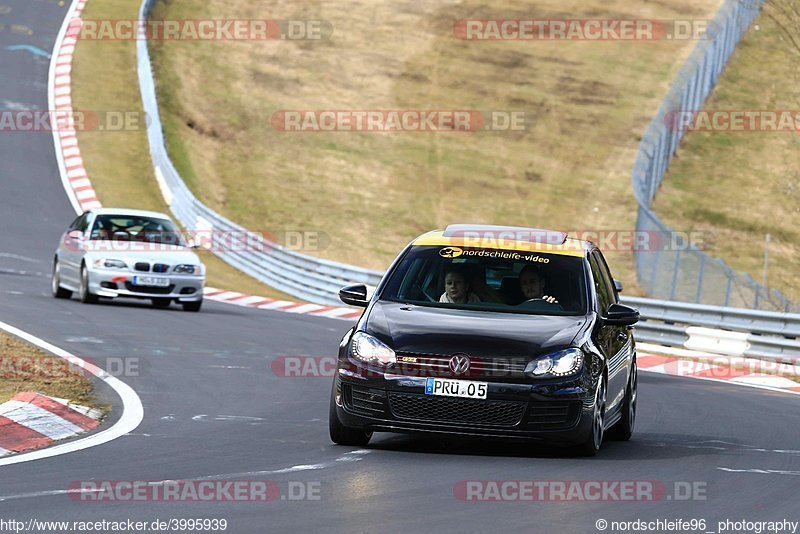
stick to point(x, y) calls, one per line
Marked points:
point(532, 285)
point(457, 288)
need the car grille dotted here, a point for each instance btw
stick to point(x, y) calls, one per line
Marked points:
point(150, 290)
point(365, 401)
point(160, 267)
point(445, 410)
point(438, 365)
point(552, 415)
point(142, 266)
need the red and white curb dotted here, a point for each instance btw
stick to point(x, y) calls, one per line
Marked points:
point(264, 303)
point(31, 421)
point(741, 371)
point(73, 173)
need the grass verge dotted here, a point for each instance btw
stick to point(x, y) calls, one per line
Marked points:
point(587, 102)
point(736, 187)
point(24, 367)
point(104, 78)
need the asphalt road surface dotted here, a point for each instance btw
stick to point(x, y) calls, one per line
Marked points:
point(214, 410)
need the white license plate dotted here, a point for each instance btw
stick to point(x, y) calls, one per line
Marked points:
point(456, 388)
point(157, 281)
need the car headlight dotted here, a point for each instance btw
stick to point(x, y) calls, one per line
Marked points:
point(110, 263)
point(368, 349)
point(188, 269)
point(562, 363)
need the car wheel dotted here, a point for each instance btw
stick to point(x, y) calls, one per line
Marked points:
point(193, 306)
point(623, 430)
point(161, 303)
point(87, 297)
point(55, 283)
point(591, 445)
point(345, 435)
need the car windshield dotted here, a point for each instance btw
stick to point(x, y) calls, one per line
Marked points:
point(136, 228)
point(489, 279)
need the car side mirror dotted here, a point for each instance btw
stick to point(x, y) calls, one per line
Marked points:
point(75, 234)
point(191, 243)
point(354, 295)
point(618, 286)
point(621, 315)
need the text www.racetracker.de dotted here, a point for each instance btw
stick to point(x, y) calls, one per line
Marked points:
point(124, 525)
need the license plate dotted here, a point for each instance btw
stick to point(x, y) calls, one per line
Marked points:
point(456, 388)
point(156, 281)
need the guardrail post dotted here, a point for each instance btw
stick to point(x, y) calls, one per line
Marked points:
point(728, 290)
point(675, 275)
point(655, 272)
point(700, 278)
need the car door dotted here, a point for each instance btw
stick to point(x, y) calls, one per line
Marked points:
point(612, 338)
point(71, 250)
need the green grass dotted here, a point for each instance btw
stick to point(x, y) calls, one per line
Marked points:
point(736, 187)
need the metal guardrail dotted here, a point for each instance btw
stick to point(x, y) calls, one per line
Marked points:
point(734, 331)
point(686, 273)
point(305, 277)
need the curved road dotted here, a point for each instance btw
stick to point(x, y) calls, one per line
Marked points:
point(214, 409)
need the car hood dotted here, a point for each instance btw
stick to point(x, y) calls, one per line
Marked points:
point(430, 330)
point(131, 253)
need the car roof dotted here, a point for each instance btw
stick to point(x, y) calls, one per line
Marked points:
point(505, 238)
point(130, 213)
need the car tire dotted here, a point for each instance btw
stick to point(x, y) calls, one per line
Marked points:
point(55, 283)
point(345, 435)
point(193, 306)
point(161, 302)
point(623, 429)
point(591, 446)
point(87, 297)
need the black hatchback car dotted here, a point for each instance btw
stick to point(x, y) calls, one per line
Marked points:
point(490, 331)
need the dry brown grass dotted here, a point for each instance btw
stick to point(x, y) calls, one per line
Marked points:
point(24, 367)
point(104, 79)
point(372, 193)
point(737, 187)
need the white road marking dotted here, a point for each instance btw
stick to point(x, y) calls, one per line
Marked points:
point(226, 476)
point(760, 471)
point(83, 339)
point(132, 409)
point(18, 257)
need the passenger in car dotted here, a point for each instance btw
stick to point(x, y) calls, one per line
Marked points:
point(532, 284)
point(457, 288)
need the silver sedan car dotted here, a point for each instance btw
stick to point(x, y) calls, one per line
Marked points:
point(128, 253)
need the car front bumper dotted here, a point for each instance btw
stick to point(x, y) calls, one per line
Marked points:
point(118, 283)
point(556, 412)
